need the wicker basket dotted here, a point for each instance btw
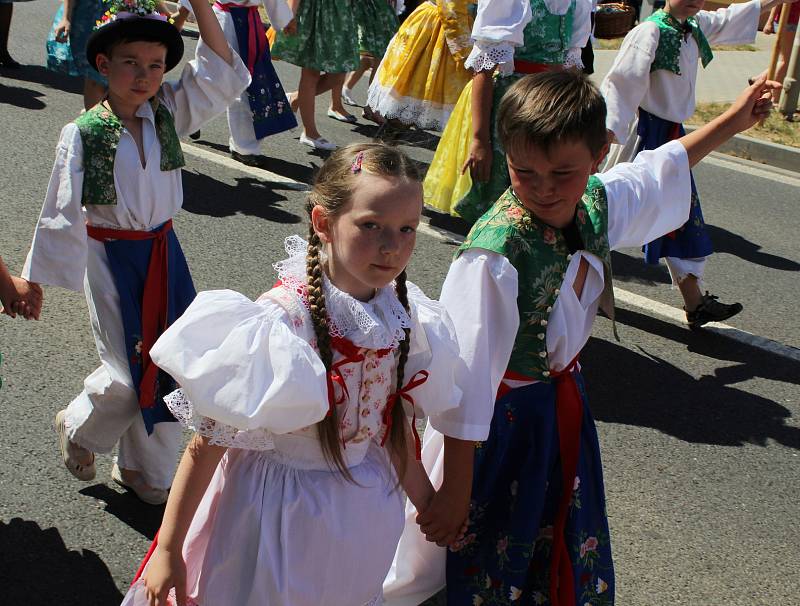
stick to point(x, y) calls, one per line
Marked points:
point(613, 20)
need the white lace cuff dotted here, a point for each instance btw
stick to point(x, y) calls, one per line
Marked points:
point(573, 59)
point(218, 433)
point(486, 55)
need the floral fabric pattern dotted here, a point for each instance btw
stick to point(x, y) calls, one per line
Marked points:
point(326, 38)
point(377, 23)
point(100, 131)
point(505, 557)
point(70, 57)
point(546, 38)
point(540, 255)
point(671, 35)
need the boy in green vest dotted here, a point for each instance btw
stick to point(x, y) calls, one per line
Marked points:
point(106, 228)
point(523, 292)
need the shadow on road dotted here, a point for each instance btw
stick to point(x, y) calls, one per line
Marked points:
point(205, 195)
point(734, 244)
point(37, 569)
point(628, 268)
point(39, 74)
point(144, 519)
point(25, 98)
point(649, 391)
point(290, 170)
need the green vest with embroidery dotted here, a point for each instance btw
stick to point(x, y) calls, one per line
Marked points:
point(540, 255)
point(100, 130)
point(546, 38)
point(671, 37)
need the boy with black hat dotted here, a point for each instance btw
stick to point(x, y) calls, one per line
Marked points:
point(106, 228)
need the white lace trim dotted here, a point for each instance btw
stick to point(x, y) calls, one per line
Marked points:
point(218, 433)
point(376, 324)
point(486, 55)
point(573, 59)
point(421, 113)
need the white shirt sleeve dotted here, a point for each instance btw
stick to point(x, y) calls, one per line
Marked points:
point(207, 85)
point(279, 13)
point(627, 82)
point(59, 251)
point(737, 24)
point(581, 30)
point(648, 197)
point(498, 28)
point(480, 294)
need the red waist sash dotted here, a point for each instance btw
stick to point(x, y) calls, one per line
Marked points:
point(530, 67)
point(256, 34)
point(569, 415)
point(155, 299)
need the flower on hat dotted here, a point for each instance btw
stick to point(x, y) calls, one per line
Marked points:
point(129, 8)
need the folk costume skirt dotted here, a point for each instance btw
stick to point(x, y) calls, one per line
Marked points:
point(691, 241)
point(517, 487)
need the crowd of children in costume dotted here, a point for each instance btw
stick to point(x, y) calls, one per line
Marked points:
point(304, 402)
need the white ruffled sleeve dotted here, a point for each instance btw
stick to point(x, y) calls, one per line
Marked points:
point(59, 250)
point(434, 348)
point(240, 364)
point(498, 28)
point(581, 30)
point(208, 84)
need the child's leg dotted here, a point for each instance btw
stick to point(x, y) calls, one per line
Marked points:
point(6, 11)
point(154, 456)
point(687, 275)
point(354, 77)
point(306, 94)
point(337, 107)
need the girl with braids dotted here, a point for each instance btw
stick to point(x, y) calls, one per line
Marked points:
point(303, 404)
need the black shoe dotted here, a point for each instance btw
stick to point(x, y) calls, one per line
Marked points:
point(711, 310)
point(195, 135)
point(255, 160)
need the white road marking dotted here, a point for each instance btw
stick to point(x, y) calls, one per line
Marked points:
point(228, 162)
point(756, 169)
point(626, 297)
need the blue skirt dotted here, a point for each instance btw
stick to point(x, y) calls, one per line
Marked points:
point(70, 57)
point(129, 261)
point(517, 485)
point(691, 240)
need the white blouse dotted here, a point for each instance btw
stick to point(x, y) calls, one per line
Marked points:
point(278, 11)
point(630, 84)
point(646, 199)
point(251, 376)
point(146, 195)
point(499, 27)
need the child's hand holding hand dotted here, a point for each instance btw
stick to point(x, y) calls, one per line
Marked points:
point(23, 298)
point(753, 105)
point(443, 521)
point(165, 571)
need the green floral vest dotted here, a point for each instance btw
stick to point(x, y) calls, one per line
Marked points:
point(100, 131)
point(546, 38)
point(670, 38)
point(540, 255)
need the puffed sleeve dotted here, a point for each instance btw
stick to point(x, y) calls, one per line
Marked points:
point(627, 82)
point(240, 364)
point(59, 250)
point(434, 348)
point(208, 84)
point(581, 30)
point(498, 28)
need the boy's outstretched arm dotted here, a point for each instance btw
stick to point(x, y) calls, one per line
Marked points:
point(210, 31)
point(752, 106)
point(444, 519)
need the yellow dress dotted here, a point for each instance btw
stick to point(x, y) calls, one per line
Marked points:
point(422, 73)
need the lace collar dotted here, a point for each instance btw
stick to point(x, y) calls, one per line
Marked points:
point(375, 324)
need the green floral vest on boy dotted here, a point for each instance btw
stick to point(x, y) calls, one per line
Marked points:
point(540, 255)
point(100, 130)
point(671, 34)
point(547, 37)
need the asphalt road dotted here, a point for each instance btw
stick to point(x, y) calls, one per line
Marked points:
point(700, 433)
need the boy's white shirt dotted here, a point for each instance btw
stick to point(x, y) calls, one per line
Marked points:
point(146, 196)
point(630, 84)
point(646, 199)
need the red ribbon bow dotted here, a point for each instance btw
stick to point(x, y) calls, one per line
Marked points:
point(417, 380)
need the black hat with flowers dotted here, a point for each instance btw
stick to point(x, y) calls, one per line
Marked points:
point(131, 21)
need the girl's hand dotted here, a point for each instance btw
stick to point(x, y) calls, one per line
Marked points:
point(479, 161)
point(753, 105)
point(291, 28)
point(165, 571)
point(25, 299)
point(62, 30)
point(768, 29)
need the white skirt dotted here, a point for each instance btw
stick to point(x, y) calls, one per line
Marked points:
point(270, 533)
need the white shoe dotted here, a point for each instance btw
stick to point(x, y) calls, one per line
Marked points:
point(145, 492)
point(348, 98)
point(70, 451)
point(320, 143)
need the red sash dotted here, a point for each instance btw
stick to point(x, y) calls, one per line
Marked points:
point(530, 67)
point(569, 415)
point(257, 34)
point(155, 299)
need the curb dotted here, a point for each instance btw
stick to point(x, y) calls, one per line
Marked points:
point(765, 152)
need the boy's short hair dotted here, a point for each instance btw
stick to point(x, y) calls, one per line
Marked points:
point(544, 109)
